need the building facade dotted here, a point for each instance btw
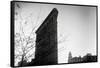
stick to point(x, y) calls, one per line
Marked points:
point(46, 41)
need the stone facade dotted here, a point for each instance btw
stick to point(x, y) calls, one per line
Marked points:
point(46, 41)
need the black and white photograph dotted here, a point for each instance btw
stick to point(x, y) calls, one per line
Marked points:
point(52, 34)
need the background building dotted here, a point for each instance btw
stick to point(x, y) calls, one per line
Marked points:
point(87, 58)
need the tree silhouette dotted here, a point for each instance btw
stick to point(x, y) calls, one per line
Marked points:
point(24, 45)
point(23, 48)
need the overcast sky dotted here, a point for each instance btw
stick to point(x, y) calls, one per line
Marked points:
point(76, 26)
